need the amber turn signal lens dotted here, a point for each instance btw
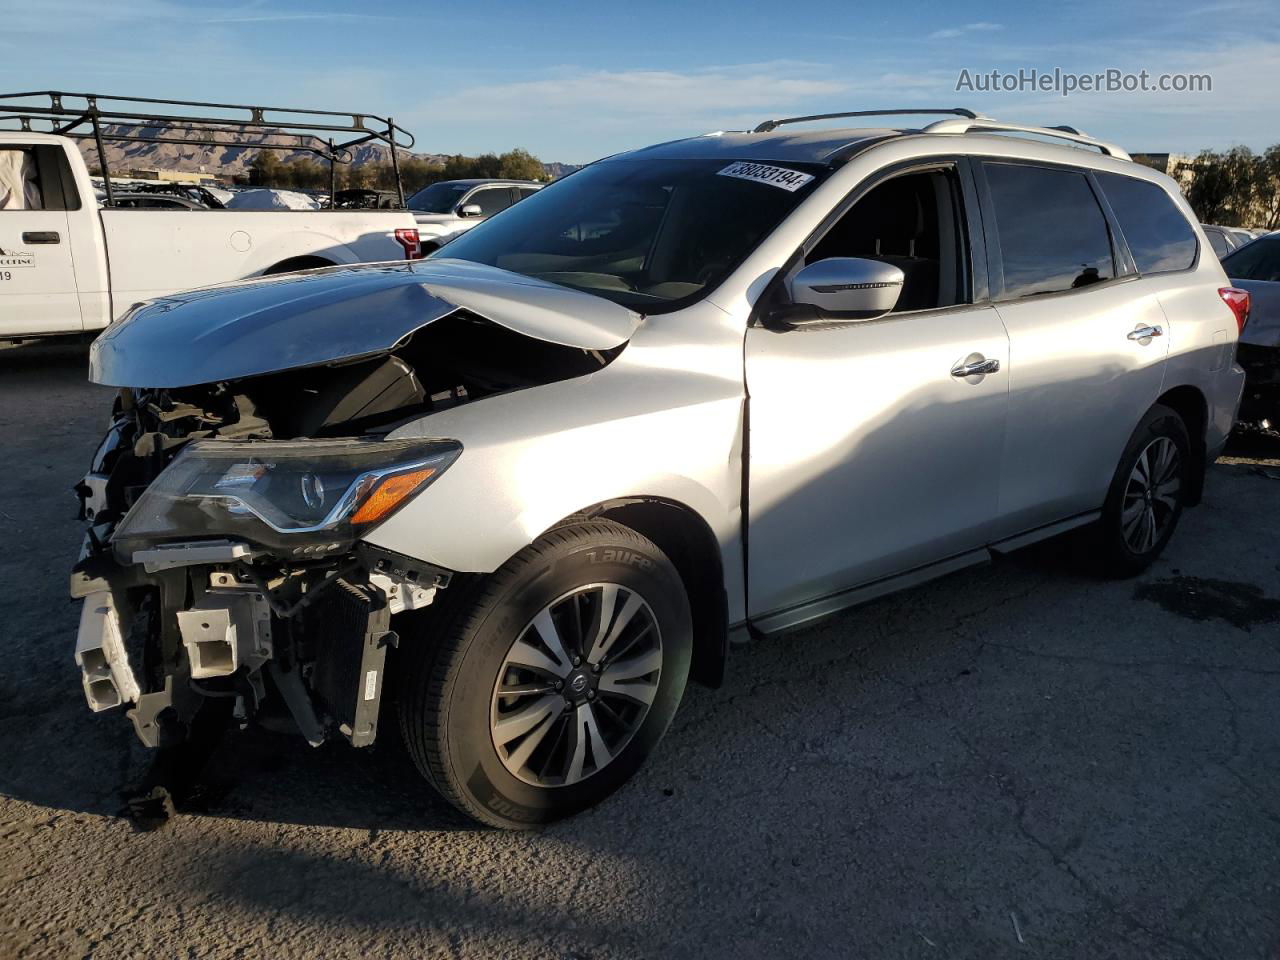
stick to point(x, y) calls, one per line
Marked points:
point(389, 494)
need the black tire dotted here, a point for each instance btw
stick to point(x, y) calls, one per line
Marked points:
point(1119, 556)
point(295, 264)
point(448, 695)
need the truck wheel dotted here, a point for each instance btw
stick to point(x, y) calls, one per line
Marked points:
point(297, 263)
point(542, 687)
point(1147, 494)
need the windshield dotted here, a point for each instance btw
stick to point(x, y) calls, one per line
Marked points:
point(438, 198)
point(648, 234)
point(1259, 260)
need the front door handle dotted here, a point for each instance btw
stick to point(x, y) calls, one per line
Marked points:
point(975, 368)
point(42, 236)
point(1145, 333)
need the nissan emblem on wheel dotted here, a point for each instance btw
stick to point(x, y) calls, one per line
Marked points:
point(513, 497)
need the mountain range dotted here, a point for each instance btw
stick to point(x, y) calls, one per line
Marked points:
point(233, 155)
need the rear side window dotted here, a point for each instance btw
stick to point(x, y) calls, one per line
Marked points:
point(1158, 235)
point(1053, 236)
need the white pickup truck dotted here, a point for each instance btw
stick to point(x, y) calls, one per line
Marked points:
point(69, 266)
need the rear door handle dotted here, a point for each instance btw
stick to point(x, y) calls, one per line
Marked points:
point(977, 368)
point(42, 236)
point(1146, 333)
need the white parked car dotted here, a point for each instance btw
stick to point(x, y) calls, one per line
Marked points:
point(67, 266)
point(445, 209)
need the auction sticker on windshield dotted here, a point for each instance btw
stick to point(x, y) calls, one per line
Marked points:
point(790, 180)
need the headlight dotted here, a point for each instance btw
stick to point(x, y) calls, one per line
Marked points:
point(303, 497)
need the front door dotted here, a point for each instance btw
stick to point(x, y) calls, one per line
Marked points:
point(870, 452)
point(37, 274)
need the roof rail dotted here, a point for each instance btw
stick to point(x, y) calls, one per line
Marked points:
point(770, 125)
point(1062, 133)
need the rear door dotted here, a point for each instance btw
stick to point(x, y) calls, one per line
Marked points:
point(37, 271)
point(1087, 340)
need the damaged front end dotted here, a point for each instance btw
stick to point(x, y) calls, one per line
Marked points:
point(226, 506)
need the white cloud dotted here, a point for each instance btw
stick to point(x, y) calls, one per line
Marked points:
point(629, 93)
point(950, 33)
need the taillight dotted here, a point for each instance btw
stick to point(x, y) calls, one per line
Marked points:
point(1238, 301)
point(407, 237)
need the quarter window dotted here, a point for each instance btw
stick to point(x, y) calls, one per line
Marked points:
point(1157, 233)
point(1053, 235)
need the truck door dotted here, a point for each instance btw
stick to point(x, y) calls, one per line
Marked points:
point(37, 271)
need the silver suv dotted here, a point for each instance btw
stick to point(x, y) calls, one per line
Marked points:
point(448, 208)
point(519, 493)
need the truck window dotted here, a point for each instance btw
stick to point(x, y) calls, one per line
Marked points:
point(491, 200)
point(19, 180)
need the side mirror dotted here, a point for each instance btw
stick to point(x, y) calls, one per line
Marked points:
point(470, 210)
point(843, 288)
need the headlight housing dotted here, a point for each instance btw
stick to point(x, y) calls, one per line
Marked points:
point(299, 497)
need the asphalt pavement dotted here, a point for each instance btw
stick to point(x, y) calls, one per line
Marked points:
point(1018, 761)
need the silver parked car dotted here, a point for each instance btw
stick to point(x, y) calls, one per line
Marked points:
point(449, 208)
point(524, 490)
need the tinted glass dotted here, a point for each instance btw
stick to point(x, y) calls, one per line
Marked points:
point(1158, 235)
point(1259, 260)
point(648, 234)
point(523, 192)
point(438, 198)
point(1053, 235)
point(1218, 240)
point(491, 201)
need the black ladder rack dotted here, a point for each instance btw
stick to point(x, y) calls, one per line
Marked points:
point(67, 114)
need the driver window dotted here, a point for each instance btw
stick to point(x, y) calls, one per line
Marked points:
point(913, 222)
point(19, 181)
point(491, 201)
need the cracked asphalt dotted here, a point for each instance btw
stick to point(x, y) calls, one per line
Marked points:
point(1019, 760)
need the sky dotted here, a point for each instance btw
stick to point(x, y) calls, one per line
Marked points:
point(574, 81)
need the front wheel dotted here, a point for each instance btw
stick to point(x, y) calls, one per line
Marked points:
point(1147, 494)
point(545, 685)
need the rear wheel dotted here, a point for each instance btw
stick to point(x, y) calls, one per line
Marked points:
point(544, 686)
point(1147, 494)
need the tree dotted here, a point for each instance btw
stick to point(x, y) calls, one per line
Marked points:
point(1268, 183)
point(264, 171)
point(520, 164)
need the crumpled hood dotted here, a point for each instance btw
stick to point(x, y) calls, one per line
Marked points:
point(1263, 328)
point(269, 324)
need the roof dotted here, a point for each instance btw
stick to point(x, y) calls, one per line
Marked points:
point(766, 143)
point(804, 146)
point(477, 181)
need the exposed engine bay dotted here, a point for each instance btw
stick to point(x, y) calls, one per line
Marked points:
point(223, 562)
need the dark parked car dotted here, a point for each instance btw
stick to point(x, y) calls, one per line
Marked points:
point(1256, 268)
point(155, 201)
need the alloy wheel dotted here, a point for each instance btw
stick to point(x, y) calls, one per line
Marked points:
point(1151, 495)
point(576, 685)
